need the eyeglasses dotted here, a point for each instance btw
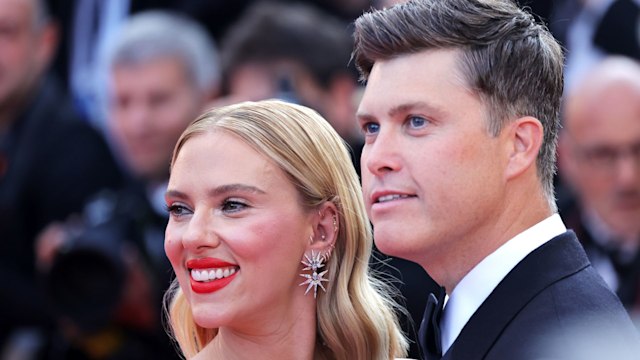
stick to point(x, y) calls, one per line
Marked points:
point(605, 158)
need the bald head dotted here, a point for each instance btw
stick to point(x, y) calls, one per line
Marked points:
point(612, 85)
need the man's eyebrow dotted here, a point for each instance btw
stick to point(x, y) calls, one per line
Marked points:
point(364, 117)
point(401, 108)
point(408, 107)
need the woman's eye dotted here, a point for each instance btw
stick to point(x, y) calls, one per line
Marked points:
point(232, 206)
point(417, 122)
point(370, 128)
point(177, 210)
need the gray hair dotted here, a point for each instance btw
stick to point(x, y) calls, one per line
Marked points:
point(154, 34)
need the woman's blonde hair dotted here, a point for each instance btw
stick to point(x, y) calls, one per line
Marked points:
point(356, 315)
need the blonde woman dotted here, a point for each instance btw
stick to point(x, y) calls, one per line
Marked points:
point(270, 242)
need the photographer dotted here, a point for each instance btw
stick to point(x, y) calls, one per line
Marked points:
point(51, 162)
point(106, 271)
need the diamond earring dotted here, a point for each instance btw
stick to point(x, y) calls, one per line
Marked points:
point(314, 279)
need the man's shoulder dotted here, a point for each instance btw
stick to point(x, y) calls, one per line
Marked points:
point(576, 296)
point(575, 315)
point(50, 120)
point(568, 295)
point(552, 295)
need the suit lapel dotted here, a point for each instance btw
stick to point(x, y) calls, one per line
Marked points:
point(562, 256)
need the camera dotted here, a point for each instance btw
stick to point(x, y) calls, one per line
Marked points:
point(86, 280)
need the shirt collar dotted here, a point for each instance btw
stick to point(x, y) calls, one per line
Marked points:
point(475, 287)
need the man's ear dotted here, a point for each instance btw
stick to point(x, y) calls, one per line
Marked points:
point(47, 44)
point(326, 224)
point(525, 137)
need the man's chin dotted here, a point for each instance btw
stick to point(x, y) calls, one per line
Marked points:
point(395, 246)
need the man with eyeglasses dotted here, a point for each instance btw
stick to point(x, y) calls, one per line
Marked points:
point(599, 160)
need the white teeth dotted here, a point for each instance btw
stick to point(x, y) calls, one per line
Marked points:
point(391, 197)
point(212, 274)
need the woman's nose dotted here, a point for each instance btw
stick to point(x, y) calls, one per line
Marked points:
point(200, 231)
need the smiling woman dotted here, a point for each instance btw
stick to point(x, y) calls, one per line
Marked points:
point(264, 198)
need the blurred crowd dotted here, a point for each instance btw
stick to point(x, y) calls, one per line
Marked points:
point(94, 95)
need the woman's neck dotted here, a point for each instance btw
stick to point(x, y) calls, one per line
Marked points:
point(291, 337)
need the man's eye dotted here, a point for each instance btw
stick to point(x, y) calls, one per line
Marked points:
point(160, 99)
point(605, 154)
point(417, 122)
point(370, 128)
point(601, 155)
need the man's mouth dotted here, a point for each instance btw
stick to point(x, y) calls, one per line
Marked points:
point(391, 197)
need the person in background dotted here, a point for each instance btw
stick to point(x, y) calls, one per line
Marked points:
point(89, 27)
point(460, 116)
point(164, 70)
point(51, 162)
point(296, 53)
point(599, 159)
point(270, 242)
point(593, 30)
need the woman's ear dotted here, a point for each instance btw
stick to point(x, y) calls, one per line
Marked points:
point(326, 225)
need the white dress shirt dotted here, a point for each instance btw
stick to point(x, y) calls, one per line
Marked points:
point(476, 286)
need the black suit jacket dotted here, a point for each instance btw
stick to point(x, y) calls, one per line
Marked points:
point(54, 161)
point(552, 305)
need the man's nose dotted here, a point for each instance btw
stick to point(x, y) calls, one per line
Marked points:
point(138, 119)
point(383, 154)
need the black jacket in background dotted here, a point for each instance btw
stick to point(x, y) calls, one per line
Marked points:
point(54, 162)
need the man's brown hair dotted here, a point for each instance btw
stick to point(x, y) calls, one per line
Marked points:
point(508, 59)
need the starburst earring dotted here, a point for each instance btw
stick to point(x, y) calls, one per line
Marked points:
point(315, 279)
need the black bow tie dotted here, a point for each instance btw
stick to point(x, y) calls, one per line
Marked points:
point(429, 334)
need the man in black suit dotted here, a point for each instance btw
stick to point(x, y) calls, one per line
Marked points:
point(599, 159)
point(460, 117)
point(51, 161)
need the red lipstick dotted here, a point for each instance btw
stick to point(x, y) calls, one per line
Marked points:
point(207, 263)
point(205, 287)
point(210, 286)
